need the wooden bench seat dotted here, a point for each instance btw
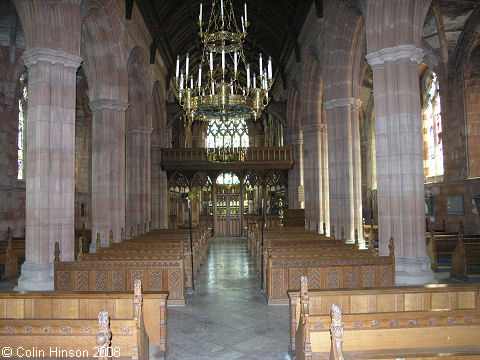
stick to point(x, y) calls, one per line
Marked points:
point(440, 246)
point(85, 305)
point(56, 326)
point(341, 270)
point(465, 256)
point(413, 322)
point(118, 275)
point(12, 254)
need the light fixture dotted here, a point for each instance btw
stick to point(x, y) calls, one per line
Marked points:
point(220, 90)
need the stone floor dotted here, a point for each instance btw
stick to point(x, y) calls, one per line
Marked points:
point(227, 317)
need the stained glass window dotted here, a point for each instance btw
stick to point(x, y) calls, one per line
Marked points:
point(432, 128)
point(22, 117)
point(226, 134)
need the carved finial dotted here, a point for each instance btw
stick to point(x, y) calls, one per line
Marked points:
point(304, 287)
point(316, 227)
point(336, 332)
point(371, 243)
point(342, 234)
point(110, 238)
point(131, 232)
point(137, 300)
point(324, 229)
point(80, 248)
point(391, 247)
point(56, 253)
point(9, 237)
point(355, 236)
point(104, 335)
point(332, 235)
point(98, 241)
point(122, 234)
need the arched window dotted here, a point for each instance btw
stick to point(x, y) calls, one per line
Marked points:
point(227, 134)
point(22, 121)
point(228, 179)
point(432, 128)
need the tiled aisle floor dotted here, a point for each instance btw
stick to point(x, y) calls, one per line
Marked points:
point(227, 318)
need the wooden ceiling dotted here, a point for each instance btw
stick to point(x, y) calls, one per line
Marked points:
point(274, 27)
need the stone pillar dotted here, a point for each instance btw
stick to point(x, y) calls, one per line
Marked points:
point(316, 177)
point(344, 165)
point(295, 175)
point(159, 183)
point(398, 132)
point(138, 156)
point(108, 169)
point(50, 167)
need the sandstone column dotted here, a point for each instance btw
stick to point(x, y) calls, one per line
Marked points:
point(344, 165)
point(295, 175)
point(316, 177)
point(50, 166)
point(108, 169)
point(398, 131)
point(137, 157)
point(159, 182)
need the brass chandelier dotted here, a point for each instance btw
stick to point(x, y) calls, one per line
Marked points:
point(218, 93)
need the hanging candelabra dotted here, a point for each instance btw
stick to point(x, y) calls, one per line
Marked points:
point(225, 87)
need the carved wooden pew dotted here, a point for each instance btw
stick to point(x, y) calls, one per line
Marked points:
point(465, 255)
point(330, 270)
point(420, 322)
point(12, 254)
point(118, 275)
point(155, 245)
point(65, 327)
point(70, 305)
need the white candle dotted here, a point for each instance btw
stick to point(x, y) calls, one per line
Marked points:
point(245, 6)
point(244, 91)
point(221, 5)
point(211, 61)
point(201, 12)
point(223, 58)
point(187, 65)
point(177, 71)
point(191, 82)
point(254, 81)
point(270, 69)
point(243, 25)
point(231, 89)
point(260, 62)
point(200, 76)
point(235, 61)
point(213, 88)
point(248, 75)
point(181, 81)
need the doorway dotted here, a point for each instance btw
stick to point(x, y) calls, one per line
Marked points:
point(228, 215)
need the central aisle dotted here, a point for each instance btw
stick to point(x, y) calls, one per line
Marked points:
point(227, 317)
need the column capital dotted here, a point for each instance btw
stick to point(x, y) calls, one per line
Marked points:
point(139, 129)
point(107, 104)
point(347, 102)
point(54, 57)
point(394, 54)
point(314, 128)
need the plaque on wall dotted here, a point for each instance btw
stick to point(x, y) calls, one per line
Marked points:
point(455, 206)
